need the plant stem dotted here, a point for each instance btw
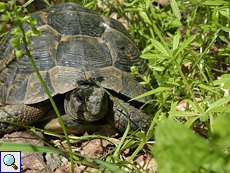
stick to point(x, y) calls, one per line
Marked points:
point(43, 83)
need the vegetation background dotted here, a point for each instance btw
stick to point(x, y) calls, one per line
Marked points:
point(186, 44)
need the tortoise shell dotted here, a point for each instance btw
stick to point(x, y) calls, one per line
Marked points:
point(75, 45)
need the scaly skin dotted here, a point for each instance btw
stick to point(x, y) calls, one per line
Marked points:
point(118, 115)
point(26, 114)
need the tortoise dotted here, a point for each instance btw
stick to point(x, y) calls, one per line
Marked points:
point(75, 46)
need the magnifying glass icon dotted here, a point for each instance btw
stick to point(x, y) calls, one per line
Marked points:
point(9, 160)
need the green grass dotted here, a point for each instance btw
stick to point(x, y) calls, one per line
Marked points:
point(169, 37)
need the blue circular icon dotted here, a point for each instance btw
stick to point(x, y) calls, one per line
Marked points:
point(9, 161)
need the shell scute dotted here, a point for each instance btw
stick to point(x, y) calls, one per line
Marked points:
point(75, 45)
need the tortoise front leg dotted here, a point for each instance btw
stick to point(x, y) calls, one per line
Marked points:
point(120, 119)
point(26, 114)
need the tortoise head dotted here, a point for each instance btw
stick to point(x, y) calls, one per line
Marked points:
point(87, 103)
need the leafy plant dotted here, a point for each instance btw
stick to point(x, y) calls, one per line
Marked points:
point(178, 149)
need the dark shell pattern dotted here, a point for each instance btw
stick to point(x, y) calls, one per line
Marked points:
point(75, 45)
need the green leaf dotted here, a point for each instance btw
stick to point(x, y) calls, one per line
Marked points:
point(25, 18)
point(27, 40)
point(129, 4)
point(160, 47)
point(143, 83)
point(224, 13)
point(178, 149)
point(182, 113)
point(141, 135)
point(162, 88)
point(212, 3)
point(175, 9)
point(222, 80)
point(226, 29)
point(215, 16)
point(30, 20)
point(206, 28)
point(190, 121)
point(33, 32)
point(131, 9)
point(156, 68)
point(2, 6)
point(226, 85)
point(18, 54)
point(221, 131)
point(149, 55)
point(154, 56)
point(203, 117)
point(145, 17)
point(176, 23)
point(185, 44)
point(150, 134)
point(210, 88)
point(134, 70)
point(220, 109)
point(176, 41)
point(226, 76)
point(17, 31)
point(218, 103)
point(192, 104)
point(26, 147)
point(15, 42)
point(5, 18)
point(1, 35)
point(33, 22)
